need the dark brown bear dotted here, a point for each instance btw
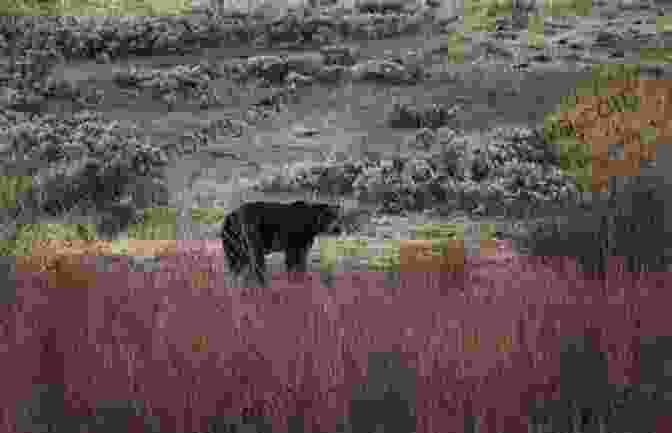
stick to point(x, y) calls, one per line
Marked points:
point(259, 228)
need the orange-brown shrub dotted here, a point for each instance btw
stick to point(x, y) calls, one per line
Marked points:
point(600, 127)
point(631, 223)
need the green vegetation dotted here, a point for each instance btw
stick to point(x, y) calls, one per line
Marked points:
point(439, 231)
point(602, 74)
point(626, 228)
point(456, 48)
point(11, 187)
point(487, 231)
point(576, 158)
point(441, 235)
point(208, 216)
point(27, 234)
point(535, 35)
point(648, 135)
point(655, 55)
point(388, 261)
point(157, 224)
point(332, 249)
point(97, 8)
point(480, 16)
point(559, 8)
point(664, 24)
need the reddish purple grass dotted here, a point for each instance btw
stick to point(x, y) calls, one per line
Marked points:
point(489, 336)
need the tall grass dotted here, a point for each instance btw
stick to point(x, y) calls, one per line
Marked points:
point(629, 226)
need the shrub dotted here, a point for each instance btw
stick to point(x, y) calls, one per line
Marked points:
point(627, 217)
point(510, 168)
point(409, 116)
